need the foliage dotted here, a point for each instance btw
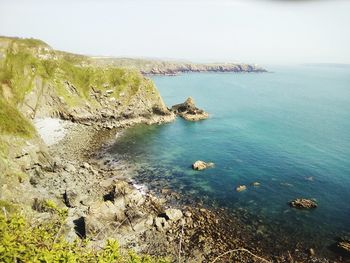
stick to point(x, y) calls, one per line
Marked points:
point(22, 242)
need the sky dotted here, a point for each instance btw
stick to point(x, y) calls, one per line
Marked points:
point(251, 31)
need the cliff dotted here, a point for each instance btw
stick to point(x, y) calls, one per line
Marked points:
point(38, 81)
point(162, 67)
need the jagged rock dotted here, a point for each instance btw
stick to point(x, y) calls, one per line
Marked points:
point(303, 203)
point(200, 165)
point(71, 198)
point(241, 188)
point(161, 224)
point(189, 111)
point(173, 214)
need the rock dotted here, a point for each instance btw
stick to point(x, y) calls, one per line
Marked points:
point(71, 198)
point(200, 165)
point(303, 203)
point(161, 224)
point(173, 214)
point(86, 165)
point(256, 184)
point(70, 168)
point(188, 214)
point(344, 246)
point(241, 188)
point(311, 252)
point(189, 111)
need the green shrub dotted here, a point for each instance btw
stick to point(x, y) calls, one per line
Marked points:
point(22, 242)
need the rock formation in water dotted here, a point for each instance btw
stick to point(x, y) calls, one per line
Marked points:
point(200, 165)
point(303, 203)
point(189, 111)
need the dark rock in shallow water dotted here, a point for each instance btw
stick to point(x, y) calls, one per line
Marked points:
point(189, 111)
point(303, 203)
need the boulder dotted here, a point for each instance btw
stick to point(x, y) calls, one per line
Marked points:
point(303, 203)
point(200, 165)
point(189, 111)
point(161, 224)
point(173, 214)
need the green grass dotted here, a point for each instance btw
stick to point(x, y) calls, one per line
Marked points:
point(13, 123)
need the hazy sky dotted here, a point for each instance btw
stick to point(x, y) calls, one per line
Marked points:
point(256, 31)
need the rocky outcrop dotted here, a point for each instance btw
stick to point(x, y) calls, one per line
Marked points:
point(189, 111)
point(200, 165)
point(241, 188)
point(303, 203)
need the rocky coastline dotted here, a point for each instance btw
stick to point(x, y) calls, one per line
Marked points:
point(101, 196)
point(102, 199)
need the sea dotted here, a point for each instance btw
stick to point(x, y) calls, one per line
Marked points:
point(288, 129)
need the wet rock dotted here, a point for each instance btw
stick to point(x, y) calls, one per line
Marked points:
point(173, 214)
point(311, 252)
point(189, 111)
point(241, 188)
point(255, 184)
point(200, 165)
point(303, 203)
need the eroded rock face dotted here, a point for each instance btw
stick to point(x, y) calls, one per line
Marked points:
point(200, 165)
point(303, 203)
point(189, 111)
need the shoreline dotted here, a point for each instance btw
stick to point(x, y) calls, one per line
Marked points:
point(205, 233)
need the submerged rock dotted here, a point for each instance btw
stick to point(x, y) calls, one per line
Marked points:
point(200, 165)
point(303, 203)
point(241, 188)
point(189, 111)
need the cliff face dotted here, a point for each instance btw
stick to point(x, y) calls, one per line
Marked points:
point(43, 82)
point(38, 81)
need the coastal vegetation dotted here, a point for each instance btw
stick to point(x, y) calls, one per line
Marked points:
point(25, 241)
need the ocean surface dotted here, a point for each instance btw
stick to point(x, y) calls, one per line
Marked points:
point(288, 129)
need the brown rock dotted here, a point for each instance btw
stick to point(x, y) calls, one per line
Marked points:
point(303, 203)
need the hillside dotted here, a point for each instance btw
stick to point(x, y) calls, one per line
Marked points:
point(163, 67)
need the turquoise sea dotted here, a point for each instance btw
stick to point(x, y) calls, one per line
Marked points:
point(288, 129)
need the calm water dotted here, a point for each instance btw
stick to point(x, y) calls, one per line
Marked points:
point(288, 130)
